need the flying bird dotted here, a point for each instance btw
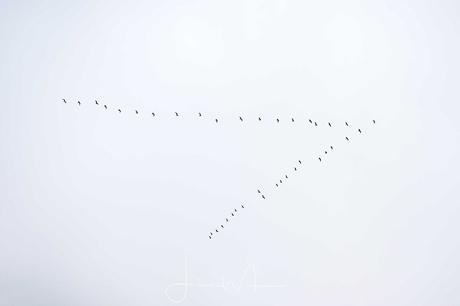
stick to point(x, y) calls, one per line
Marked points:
point(319, 158)
point(221, 226)
point(292, 119)
point(79, 103)
point(260, 119)
point(277, 120)
point(63, 100)
point(199, 114)
point(97, 103)
point(329, 124)
point(276, 184)
point(211, 233)
point(209, 237)
point(217, 120)
point(226, 219)
point(153, 114)
point(316, 124)
point(177, 114)
point(310, 120)
point(217, 231)
point(286, 175)
point(325, 152)
point(263, 197)
point(105, 106)
point(346, 123)
point(332, 148)
point(241, 119)
point(242, 206)
point(347, 138)
point(281, 181)
point(373, 121)
point(233, 215)
point(119, 110)
point(300, 162)
point(359, 130)
point(295, 169)
point(258, 191)
point(137, 113)
point(235, 210)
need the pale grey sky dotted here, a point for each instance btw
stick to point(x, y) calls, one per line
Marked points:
point(100, 208)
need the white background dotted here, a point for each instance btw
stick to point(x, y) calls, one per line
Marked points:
point(101, 208)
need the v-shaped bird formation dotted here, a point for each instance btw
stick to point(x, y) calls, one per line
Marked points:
point(262, 196)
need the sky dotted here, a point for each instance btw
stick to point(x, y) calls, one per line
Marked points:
point(99, 207)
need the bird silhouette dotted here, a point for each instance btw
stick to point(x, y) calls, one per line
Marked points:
point(119, 110)
point(137, 113)
point(235, 210)
point(177, 114)
point(226, 219)
point(199, 114)
point(209, 237)
point(97, 103)
point(332, 148)
point(221, 226)
point(217, 231)
point(310, 120)
point(316, 124)
point(346, 123)
point(373, 121)
point(347, 138)
point(105, 106)
point(233, 215)
point(242, 206)
point(319, 158)
point(292, 119)
point(359, 130)
point(281, 181)
point(211, 233)
point(63, 100)
point(325, 152)
point(286, 176)
point(300, 162)
point(217, 120)
point(276, 184)
point(241, 119)
point(258, 191)
point(79, 103)
point(153, 114)
point(295, 169)
point(263, 197)
point(329, 124)
point(260, 119)
point(277, 120)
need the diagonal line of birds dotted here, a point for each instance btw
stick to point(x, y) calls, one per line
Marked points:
point(321, 158)
point(283, 179)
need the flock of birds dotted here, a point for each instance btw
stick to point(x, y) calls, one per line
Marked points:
point(259, 192)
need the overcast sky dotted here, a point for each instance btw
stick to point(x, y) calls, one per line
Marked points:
point(99, 207)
